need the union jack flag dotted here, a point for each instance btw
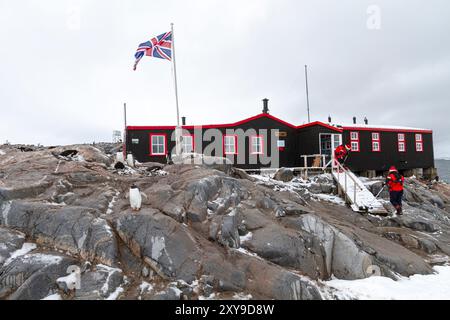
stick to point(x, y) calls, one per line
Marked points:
point(158, 47)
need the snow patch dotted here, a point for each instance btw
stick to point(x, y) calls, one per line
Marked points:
point(5, 208)
point(2, 153)
point(246, 237)
point(112, 202)
point(145, 287)
point(158, 247)
point(70, 281)
point(26, 247)
point(55, 296)
point(330, 198)
point(242, 296)
point(417, 287)
point(115, 294)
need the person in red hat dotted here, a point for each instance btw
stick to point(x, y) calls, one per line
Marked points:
point(395, 183)
point(341, 153)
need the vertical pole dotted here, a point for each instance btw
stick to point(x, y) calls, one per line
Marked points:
point(125, 115)
point(307, 92)
point(178, 128)
point(124, 143)
point(175, 75)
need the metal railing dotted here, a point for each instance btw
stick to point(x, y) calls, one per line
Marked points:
point(339, 169)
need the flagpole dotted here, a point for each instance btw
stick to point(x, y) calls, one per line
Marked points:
point(175, 75)
point(177, 131)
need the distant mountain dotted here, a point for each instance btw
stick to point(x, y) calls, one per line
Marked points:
point(443, 158)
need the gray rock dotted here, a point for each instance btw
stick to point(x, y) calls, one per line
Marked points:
point(162, 240)
point(72, 229)
point(224, 229)
point(99, 284)
point(284, 174)
point(10, 241)
point(288, 248)
point(32, 276)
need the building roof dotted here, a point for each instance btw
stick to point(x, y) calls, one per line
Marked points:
point(235, 124)
point(384, 128)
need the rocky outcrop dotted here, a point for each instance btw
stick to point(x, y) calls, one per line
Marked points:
point(203, 230)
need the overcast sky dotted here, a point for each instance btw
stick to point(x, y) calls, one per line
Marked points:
point(66, 66)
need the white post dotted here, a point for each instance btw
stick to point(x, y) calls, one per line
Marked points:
point(178, 128)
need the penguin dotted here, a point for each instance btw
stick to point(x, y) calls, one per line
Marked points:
point(130, 160)
point(135, 198)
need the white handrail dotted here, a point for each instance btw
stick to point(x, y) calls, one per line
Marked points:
point(339, 167)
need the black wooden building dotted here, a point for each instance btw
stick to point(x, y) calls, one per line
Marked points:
point(255, 142)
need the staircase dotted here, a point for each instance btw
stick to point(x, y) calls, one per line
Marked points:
point(355, 193)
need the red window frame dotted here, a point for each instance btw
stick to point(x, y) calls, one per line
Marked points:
point(419, 142)
point(235, 144)
point(165, 144)
point(401, 141)
point(376, 141)
point(262, 144)
point(193, 140)
point(352, 141)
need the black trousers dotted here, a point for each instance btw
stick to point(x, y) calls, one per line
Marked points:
point(396, 198)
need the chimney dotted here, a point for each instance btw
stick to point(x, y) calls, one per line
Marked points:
point(265, 105)
point(183, 121)
point(354, 120)
point(329, 119)
point(366, 121)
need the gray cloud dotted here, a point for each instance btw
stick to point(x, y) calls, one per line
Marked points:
point(64, 79)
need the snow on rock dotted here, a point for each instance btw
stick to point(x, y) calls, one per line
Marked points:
point(69, 281)
point(145, 287)
point(55, 296)
point(115, 294)
point(110, 271)
point(417, 287)
point(2, 153)
point(330, 198)
point(242, 296)
point(112, 202)
point(246, 237)
point(26, 248)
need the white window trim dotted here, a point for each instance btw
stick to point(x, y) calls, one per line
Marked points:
point(158, 144)
point(419, 137)
point(225, 144)
point(184, 144)
point(259, 144)
point(353, 134)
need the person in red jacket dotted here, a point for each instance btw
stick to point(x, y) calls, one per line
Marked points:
point(395, 183)
point(341, 153)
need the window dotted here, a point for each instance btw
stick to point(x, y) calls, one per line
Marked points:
point(158, 145)
point(230, 144)
point(135, 141)
point(419, 146)
point(256, 145)
point(187, 143)
point(419, 142)
point(401, 142)
point(281, 144)
point(376, 142)
point(376, 146)
point(355, 146)
point(354, 141)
